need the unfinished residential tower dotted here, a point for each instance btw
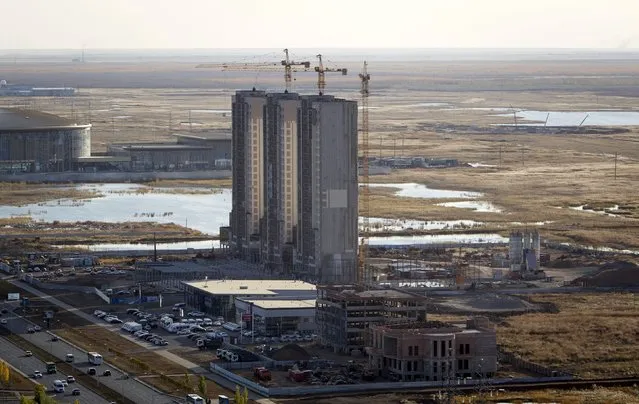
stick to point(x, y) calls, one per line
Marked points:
point(295, 184)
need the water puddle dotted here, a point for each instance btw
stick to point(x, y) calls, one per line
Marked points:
point(605, 211)
point(379, 224)
point(586, 118)
point(396, 241)
point(477, 206)
point(413, 190)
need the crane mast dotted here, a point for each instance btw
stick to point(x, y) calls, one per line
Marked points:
point(364, 275)
point(321, 74)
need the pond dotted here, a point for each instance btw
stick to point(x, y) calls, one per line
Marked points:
point(413, 190)
point(477, 206)
point(573, 118)
point(205, 212)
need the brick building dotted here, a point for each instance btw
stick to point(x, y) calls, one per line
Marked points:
point(434, 351)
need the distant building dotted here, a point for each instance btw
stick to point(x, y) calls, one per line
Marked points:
point(295, 184)
point(434, 351)
point(204, 151)
point(524, 252)
point(13, 90)
point(346, 313)
point(33, 141)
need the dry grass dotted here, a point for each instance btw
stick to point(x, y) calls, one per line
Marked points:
point(150, 366)
point(18, 194)
point(210, 183)
point(593, 335)
point(627, 395)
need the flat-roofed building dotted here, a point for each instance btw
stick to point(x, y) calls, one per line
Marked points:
point(274, 317)
point(217, 297)
point(345, 313)
point(434, 351)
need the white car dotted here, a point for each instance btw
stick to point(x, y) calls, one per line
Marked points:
point(3, 321)
point(37, 374)
point(183, 332)
point(37, 328)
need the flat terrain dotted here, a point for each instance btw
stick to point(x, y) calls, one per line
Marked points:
point(432, 108)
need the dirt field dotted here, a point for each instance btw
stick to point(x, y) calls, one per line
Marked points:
point(596, 396)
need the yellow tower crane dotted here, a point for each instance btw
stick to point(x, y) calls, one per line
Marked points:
point(321, 74)
point(289, 67)
point(364, 273)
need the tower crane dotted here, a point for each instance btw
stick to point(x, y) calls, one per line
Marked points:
point(286, 62)
point(321, 74)
point(364, 275)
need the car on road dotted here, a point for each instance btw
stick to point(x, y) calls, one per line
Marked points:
point(65, 383)
point(5, 311)
point(3, 321)
point(75, 392)
point(106, 373)
point(69, 358)
point(37, 374)
point(196, 314)
point(28, 353)
point(91, 372)
point(70, 379)
point(30, 330)
point(37, 328)
point(55, 338)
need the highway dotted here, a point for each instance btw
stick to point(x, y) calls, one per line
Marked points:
point(28, 364)
point(132, 388)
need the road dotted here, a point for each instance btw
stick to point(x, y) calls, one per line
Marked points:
point(131, 387)
point(28, 364)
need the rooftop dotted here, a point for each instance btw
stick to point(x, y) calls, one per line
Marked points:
point(20, 119)
point(250, 287)
point(222, 134)
point(158, 146)
point(281, 304)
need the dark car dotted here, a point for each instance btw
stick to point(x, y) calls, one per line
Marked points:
point(91, 371)
point(5, 311)
point(55, 338)
point(106, 373)
point(75, 392)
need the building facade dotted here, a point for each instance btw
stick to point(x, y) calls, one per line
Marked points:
point(327, 240)
point(434, 351)
point(295, 190)
point(346, 313)
point(33, 141)
point(248, 207)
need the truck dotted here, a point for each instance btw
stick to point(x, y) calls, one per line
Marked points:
point(209, 343)
point(51, 368)
point(262, 374)
point(94, 358)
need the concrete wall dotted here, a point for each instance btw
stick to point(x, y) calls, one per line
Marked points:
point(115, 176)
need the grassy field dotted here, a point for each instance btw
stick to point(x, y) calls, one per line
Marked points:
point(17, 194)
point(593, 335)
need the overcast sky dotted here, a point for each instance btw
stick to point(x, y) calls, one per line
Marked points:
point(64, 24)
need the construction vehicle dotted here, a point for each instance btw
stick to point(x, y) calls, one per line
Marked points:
point(262, 374)
point(209, 343)
point(297, 375)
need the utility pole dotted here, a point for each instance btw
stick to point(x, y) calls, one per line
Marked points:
point(522, 156)
point(615, 166)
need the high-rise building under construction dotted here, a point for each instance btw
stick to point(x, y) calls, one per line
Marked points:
point(295, 184)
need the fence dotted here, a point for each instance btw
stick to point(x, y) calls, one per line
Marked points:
point(363, 387)
point(73, 288)
point(522, 364)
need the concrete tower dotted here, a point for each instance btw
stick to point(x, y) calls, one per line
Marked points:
point(327, 230)
point(281, 186)
point(248, 173)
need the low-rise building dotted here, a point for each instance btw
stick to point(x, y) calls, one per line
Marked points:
point(218, 297)
point(345, 313)
point(274, 317)
point(434, 351)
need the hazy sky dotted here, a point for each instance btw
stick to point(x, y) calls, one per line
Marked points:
point(58, 24)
